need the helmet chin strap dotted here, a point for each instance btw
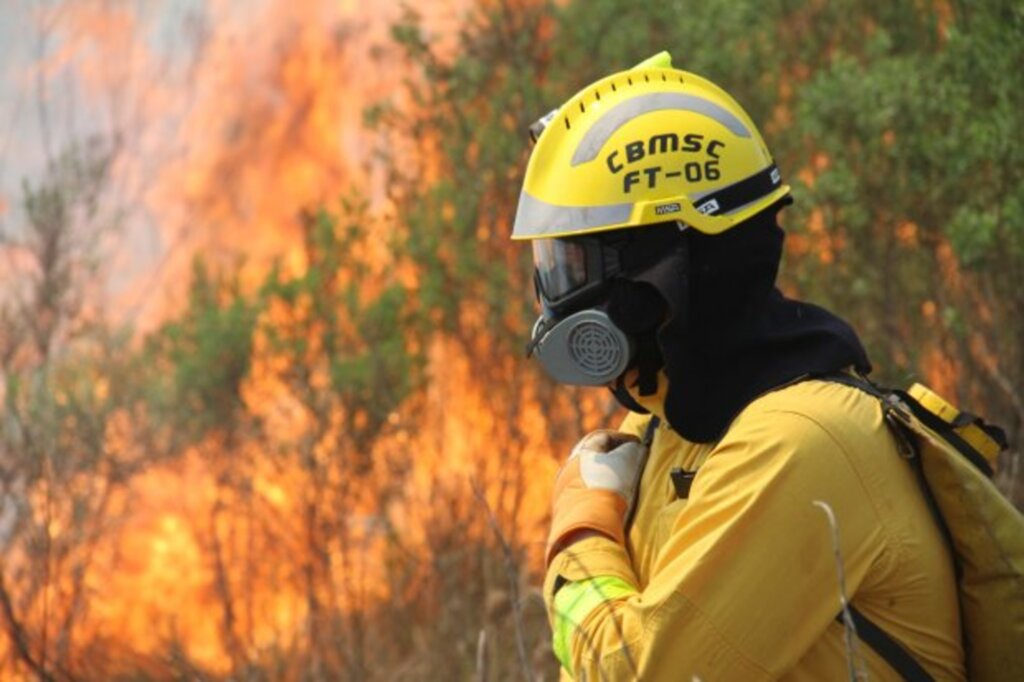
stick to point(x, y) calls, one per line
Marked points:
point(648, 363)
point(642, 307)
point(655, 301)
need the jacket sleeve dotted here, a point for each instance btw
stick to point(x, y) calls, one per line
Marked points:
point(747, 580)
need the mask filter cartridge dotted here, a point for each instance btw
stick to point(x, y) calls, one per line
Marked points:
point(584, 349)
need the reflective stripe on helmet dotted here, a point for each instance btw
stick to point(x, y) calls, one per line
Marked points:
point(538, 218)
point(573, 603)
point(592, 143)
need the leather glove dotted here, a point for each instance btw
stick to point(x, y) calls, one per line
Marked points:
point(595, 488)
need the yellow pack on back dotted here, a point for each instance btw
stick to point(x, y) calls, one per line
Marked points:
point(954, 454)
point(963, 424)
point(985, 529)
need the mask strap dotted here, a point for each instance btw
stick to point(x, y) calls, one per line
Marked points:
point(618, 389)
point(648, 366)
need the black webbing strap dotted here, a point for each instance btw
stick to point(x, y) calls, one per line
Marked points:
point(854, 382)
point(928, 418)
point(886, 647)
point(872, 635)
point(649, 432)
point(740, 193)
point(652, 428)
point(947, 431)
point(907, 437)
point(623, 397)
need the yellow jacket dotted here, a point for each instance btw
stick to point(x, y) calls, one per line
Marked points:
point(739, 581)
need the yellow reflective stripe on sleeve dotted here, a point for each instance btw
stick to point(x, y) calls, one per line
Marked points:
point(574, 602)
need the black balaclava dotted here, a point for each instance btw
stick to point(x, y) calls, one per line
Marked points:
point(729, 334)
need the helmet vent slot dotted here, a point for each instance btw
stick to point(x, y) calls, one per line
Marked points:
point(594, 349)
point(567, 126)
point(583, 109)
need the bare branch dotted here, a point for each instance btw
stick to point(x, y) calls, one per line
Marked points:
point(857, 670)
point(512, 573)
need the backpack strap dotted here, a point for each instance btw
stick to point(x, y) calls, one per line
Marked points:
point(854, 381)
point(895, 396)
point(871, 634)
point(948, 431)
point(894, 400)
point(649, 432)
point(652, 427)
point(886, 647)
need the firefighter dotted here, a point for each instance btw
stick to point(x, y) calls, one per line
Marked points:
point(688, 544)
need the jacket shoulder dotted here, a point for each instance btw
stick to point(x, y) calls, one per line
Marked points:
point(845, 413)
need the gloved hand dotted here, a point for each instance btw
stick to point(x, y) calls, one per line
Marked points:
point(595, 487)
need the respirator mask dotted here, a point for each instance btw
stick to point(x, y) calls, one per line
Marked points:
point(596, 320)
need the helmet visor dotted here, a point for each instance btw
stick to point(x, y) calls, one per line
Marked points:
point(561, 267)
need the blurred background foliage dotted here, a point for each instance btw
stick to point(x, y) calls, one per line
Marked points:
point(376, 452)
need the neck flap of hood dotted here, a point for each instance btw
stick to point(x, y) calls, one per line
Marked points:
point(731, 335)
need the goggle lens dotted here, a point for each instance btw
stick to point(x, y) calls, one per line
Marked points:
point(561, 267)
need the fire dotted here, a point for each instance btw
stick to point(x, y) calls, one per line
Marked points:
point(158, 561)
point(274, 128)
point(235, 550)
point(218, 555)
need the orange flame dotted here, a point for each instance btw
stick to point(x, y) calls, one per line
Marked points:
point(270, 126)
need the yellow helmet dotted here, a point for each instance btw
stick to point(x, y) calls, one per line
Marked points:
point(648, 145)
